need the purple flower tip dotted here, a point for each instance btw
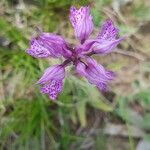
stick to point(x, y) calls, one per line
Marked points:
point(52, 81)
point(37, 49)
point(48, 45)
point(53, 88)
point(106, 39)
point(81, 21)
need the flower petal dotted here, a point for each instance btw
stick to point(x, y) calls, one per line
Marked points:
point(37, 49)
point(52, 81)
point(84, 48)
point(108, 31)
point(105, 46)
point(102, 86)
point(53, 88)
point(47, 44)
point(81, 68)
point(106, 39)
point(95, 74)
point(81, 21)
point(56, 72)
point(56, 44)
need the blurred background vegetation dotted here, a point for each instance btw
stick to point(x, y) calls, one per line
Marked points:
point(81, 118)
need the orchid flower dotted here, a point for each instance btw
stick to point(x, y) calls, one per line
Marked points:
point(51, 45)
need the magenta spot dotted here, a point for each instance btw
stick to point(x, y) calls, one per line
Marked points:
point(53, 88)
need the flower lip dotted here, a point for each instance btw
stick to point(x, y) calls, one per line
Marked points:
point(53, 88)
point(52, 81)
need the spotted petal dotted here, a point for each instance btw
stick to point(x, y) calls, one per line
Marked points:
point(52, 81)
point(106, 39)
point(108, 31)
point(81, 21)
point(37, 49)
point(47, 44)
point(53, 88)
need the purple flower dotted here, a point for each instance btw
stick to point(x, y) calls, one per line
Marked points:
point(95, 74)
point(81, 21)
point(51, 45)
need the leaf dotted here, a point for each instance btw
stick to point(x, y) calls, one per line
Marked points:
point(99, 104)
point(88, 93)
point(96, 16)
point(73, 116)
point(81, 110)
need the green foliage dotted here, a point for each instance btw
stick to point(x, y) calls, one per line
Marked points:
point(96, 16)
point(13, 34)
point(28, 120)
point(140, 9)
point(128, 115)
point(78, 96)
point(60, 4)
point(126, 29)
point(97, 11)
point(101, 3)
